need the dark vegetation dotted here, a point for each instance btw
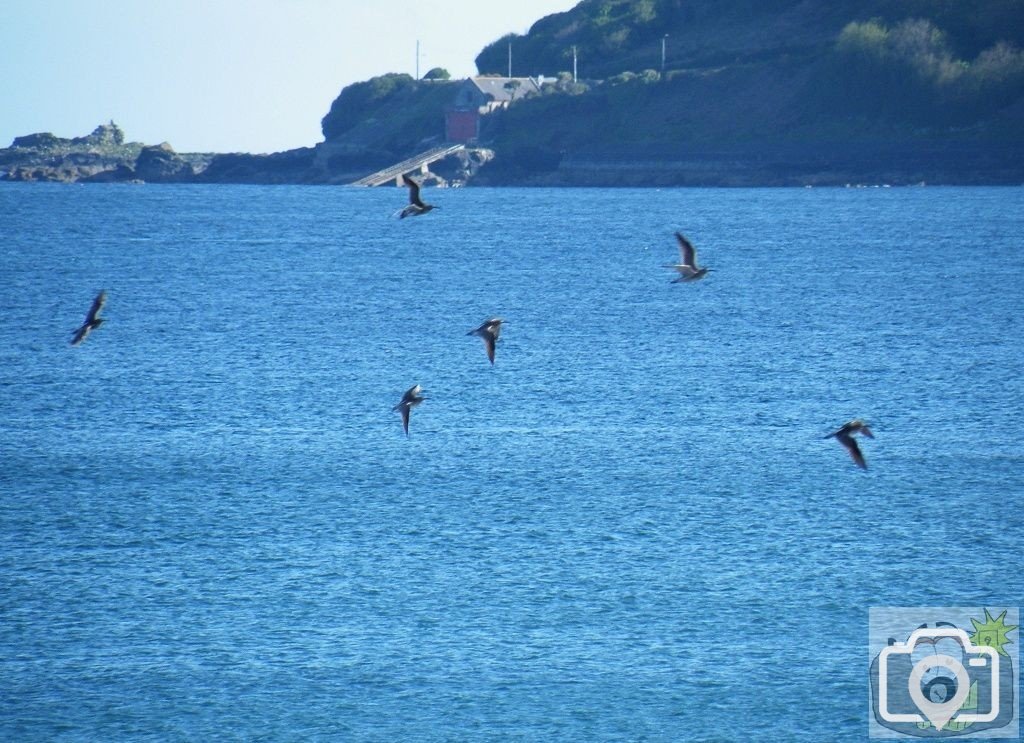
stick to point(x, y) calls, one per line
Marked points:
point(910, 71)
point(783, 78)
point(393, 113)
point(616, 35)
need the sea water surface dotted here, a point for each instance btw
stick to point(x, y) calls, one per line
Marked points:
point(630, 527)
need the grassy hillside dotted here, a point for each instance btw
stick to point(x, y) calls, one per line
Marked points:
point(616, 35)
point(392, 113)
point(776, 76)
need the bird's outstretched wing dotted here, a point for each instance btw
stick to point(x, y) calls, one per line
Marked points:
point(91, 321)
point(80, 334)
point(97, 305)
point(405, 408)
point(687, 253)
point(414, 191)
point(851, 446)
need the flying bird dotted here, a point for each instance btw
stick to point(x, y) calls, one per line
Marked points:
point(687, 266)
point(489, 331)
point(844, 435)
point(92, 320)
point(416, 206)
point(412, 397)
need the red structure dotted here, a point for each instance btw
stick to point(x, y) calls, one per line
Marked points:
point(461, 125)
point(479, 96)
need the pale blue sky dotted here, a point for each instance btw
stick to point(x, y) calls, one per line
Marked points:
point(226, 75)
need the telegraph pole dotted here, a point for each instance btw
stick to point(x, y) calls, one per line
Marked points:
point(418, 59)
point(663, 56)
point(510, 59)
point(574, 63)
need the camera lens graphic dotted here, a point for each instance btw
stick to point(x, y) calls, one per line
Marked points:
point(939, 712)
point(940, 689)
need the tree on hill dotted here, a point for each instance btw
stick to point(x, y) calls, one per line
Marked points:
point(391, 115)
point(910, 71)
point(350, 107)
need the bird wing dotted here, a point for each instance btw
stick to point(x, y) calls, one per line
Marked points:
point(686, 251)
point(867, 432)
point(414, 191)
point(405, 417)
point(843, 430)
point(97, 305)
point(851, 446)
point(489, 339)
point(410, 394)
point(80, 334)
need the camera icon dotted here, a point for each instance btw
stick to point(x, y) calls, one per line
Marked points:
point(938, 683)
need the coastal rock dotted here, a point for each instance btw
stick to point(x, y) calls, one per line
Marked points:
point(40, 141)
point(161, 164)
point(120, 174)
point(100, 157)
point(110, 135)
point(291, 166)
point(461, 167)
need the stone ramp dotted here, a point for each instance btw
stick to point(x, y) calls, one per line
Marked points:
point(416, 162)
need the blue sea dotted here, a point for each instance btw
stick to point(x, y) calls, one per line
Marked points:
point(631, 527)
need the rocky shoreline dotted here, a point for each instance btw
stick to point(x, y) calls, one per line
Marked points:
point(105, 157)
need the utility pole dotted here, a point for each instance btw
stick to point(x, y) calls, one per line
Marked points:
point(418, 59)
point(663, 56)
point(510, 59)
point(574, 63)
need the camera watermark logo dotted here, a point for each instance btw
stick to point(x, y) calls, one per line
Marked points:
point(944, 672)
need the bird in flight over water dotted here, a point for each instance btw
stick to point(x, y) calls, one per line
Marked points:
point(489, 331)
point(412, 397)
point(687, 266)
point(844, 435)
point(416, 206)
point(92, 320)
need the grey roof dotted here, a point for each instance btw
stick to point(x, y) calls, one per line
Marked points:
point(495, 87)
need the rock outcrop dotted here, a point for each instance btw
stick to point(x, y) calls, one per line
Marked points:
point(291, 166)
point(161, 164)
point(100, 157)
